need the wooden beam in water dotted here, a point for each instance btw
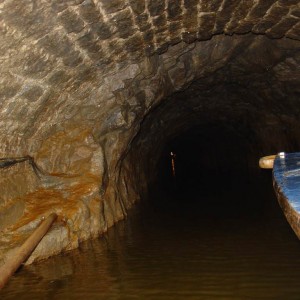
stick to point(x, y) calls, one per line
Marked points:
point(13, 263)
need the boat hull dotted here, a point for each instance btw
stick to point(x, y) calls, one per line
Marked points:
point(292, 216)
point(286, 183)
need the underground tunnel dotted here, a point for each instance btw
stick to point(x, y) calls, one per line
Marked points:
point(108, 104)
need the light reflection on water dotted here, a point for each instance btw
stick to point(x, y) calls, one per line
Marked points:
point(208, 249)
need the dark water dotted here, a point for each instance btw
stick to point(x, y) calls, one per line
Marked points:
point(229, 242)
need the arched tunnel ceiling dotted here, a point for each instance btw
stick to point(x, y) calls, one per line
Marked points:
point(57, 53)
point(261, 79)
point(78, 78)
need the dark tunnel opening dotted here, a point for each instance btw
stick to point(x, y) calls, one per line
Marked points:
point(211, 137)
point(210, 168)
point(214, 132)
point(202, 156)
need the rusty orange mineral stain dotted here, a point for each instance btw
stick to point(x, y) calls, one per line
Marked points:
point(65, 202)
point(70, 169)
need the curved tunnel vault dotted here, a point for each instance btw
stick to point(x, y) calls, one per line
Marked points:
point(243, 97)
point(93, 91)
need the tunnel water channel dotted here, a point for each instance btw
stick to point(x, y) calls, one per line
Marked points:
point(154, 113)
point(210, 230)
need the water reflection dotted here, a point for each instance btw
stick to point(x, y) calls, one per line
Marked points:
point(238, 246)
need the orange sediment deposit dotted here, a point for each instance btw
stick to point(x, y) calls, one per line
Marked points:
point(65, 202)
point(76, 204)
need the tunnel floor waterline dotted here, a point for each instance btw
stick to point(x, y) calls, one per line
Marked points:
point(179, 249)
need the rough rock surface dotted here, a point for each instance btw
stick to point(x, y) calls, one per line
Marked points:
point(78, 78)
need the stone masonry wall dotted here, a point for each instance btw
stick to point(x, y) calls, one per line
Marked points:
point(78, 77)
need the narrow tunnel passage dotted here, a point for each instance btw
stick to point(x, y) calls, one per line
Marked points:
point(203, 157)
point(96, 94)
point(213, 236)
point(210, 168)
point(214, 231)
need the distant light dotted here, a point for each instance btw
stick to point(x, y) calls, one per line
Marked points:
point(281, 155)
point(173, 155)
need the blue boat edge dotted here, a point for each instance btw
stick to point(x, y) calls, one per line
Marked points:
point(286, 184)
